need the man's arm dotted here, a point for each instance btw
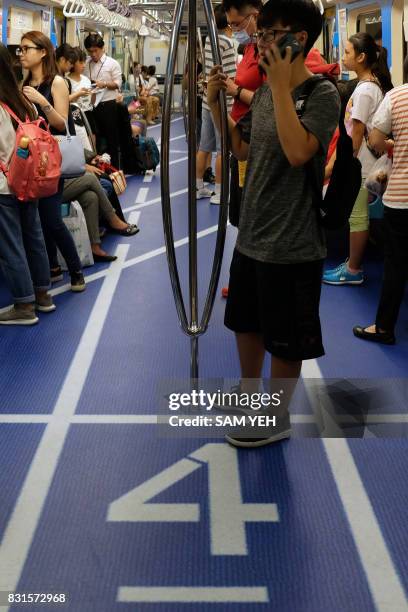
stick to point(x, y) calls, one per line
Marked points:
point(380, 141)
point(382, 127)
point(217, 82)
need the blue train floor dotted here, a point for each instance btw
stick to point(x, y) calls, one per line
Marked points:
point(98, 506)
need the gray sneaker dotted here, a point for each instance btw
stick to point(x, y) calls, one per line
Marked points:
point(44, 303)
point(18, 316)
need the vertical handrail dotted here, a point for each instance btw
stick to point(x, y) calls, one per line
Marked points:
point(184, 97)
point(192, 198)
point(164, 173)
point(223, 214)
point(192, 327)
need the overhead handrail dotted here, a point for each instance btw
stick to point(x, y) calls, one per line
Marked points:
point(98, 13)
point(192, 326)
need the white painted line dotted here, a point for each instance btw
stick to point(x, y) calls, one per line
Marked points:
point(177, 161)
point(114, 419)
point(148, 177)
point(154, 201)
point(178, 151)
point(151, 127)
point(130, 262)
point(132, 419)
point(24, 519)
point(134, 217)
point(185, 594)
point(142, 195)
point(384, 583)
point(383, 580)
point(178, 137)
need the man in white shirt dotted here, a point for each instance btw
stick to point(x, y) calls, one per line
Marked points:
point(105, 74)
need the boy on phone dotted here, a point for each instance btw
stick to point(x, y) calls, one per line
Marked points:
point(276, 271)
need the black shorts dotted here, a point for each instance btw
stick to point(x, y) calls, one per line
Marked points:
point(278, 301)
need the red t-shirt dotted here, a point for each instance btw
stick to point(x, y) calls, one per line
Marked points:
point(248, 77)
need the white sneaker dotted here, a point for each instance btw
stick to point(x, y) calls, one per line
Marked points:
point(216, 199)
point(203, 193)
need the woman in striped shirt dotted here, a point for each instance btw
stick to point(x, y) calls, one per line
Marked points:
point(392, 118)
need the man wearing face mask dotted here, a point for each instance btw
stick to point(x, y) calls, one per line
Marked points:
point(242, 16)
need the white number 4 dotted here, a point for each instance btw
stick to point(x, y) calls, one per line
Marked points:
point(228, 514)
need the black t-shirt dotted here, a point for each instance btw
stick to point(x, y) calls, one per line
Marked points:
point(45, 90)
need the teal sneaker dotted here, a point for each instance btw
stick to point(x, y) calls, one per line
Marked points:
point(342, 276)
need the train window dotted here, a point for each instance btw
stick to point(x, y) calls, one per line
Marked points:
point(370, 23)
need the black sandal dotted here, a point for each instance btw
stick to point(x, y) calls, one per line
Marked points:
point(131, 230)
point(380, 337)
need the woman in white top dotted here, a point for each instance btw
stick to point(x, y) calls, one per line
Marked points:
point(147, 99)
point(81, 85)
point(369, 62)
point(152, 85)
point(23, 256)
point(81, 92)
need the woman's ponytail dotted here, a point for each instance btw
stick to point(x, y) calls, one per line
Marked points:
point(380, 70)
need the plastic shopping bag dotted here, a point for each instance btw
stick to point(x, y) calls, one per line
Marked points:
point(377, 180)
point(76, 224)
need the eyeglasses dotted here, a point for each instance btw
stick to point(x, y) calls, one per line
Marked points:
point(237, 27)
point(269, 35)
point(23, 50)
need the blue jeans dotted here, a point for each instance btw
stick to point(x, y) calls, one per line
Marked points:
point(23, 257)
point(56, 234)
point(107, 186)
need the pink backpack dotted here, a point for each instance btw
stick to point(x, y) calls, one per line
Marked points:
point(34, 169)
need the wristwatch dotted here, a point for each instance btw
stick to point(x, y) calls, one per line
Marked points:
point(47, 108)
point(237, 95)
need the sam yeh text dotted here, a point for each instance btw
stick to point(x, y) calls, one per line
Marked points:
point(223, 421)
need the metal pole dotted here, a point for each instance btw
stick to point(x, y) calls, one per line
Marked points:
point(184, 96)
point(192, 328)
point(164, 173)
point(223, 214)
point(192, 199)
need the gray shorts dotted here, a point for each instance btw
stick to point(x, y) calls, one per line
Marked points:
point(210, 137)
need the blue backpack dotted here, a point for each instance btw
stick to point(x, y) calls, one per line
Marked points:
point(148, 154)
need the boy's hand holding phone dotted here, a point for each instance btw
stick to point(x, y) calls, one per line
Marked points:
point(277, 61)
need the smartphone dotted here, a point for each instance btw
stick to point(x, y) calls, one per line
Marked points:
point(289, 40)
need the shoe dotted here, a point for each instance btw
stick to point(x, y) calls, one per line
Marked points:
point(18, 316)
point(56, 275)
point(103, 258)
point(131, 230)
point(77, 282)
point(209, 176)
point(204, 193)
point(216, 199)
point(380, 337)
point(224, 292)
point(256, 442)
point(342, 276)
point(44, 303)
